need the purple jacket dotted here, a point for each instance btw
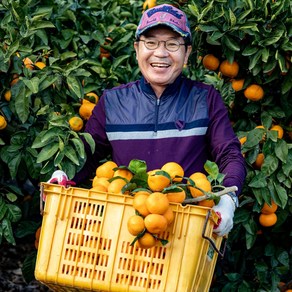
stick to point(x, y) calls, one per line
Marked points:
point(188, 124)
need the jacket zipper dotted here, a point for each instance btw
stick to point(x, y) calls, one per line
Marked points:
point(156, 116)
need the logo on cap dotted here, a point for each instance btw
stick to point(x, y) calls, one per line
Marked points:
point(168, 9)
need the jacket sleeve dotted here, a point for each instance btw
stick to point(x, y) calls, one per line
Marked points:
point(224, 144)
point(96, 127)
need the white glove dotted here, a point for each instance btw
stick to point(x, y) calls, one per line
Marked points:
point(60, 177)
point(225, 210)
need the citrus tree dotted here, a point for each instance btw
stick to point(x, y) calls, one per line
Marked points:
point(248, 44)
point(57, 57)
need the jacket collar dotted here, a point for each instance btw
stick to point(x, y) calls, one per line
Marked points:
point(169, 90)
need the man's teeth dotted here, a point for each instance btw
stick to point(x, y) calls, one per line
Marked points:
point(159, 65)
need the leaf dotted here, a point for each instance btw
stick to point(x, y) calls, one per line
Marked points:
point(254, 59)
point(283, 258)
point(22, 103)
point(68, 55)
point(250, 50)
point(172, 189)
point(14, 164)
point(3, 208)
point(212, 169)
point(258, 181)
point(270, 165)
point(7, 231)
point(28, 267)
point(194, 9)
point(59, 157)
point(273, 38)
point(119, 60)
point(207, 28)
point(281, 150)
point(137, 166)
point(232, 18)
point(47, 152)
point(32, 84)
point(47, 137)
point(88, 138)
point(48, 167)
point(281, 193)
point(46, 82)
point(41, 24)
point(11, 197)
point(25, 228)
point(75, 86)
point(250, 240)
point(163, 173)
point(254, 137)
point(79, 146)
point(71, 154)
point(233, 276)
point(230, 43)
point(13, 213)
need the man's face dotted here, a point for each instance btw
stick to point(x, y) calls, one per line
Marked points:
point(161, 67)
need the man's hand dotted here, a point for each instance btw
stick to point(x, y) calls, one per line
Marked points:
point(225, 209)
point(60, 177)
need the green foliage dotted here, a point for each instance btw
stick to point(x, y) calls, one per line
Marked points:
point(68, 38)
point(257, 35)
point(10, 213)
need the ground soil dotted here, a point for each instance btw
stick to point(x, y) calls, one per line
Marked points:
point(11, 260)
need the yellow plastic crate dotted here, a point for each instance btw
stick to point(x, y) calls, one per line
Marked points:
point(85, 246)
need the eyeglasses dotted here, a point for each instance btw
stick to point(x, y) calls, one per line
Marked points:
point(170, 45)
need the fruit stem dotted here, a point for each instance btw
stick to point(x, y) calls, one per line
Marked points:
point(210, 195)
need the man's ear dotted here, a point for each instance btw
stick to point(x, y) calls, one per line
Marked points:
point(188, 52)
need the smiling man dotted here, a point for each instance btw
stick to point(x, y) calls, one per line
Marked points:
point(165, 116)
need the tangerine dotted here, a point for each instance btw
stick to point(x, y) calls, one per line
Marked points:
point(124, 173)
point(268, 220)
point(116, 186)
point(135, 224)
point(229, 69)
point(106, 169)
point(207, 203)
point(15, 79)
point(176, 197)
point(100, 181)
point(40, 65)
point(85, 110)
point(3, 123)
point(155, 223)
point(139, 204)
point(175, 171)
point(7, 95)
point(242, 140)
point(254, 92)
point(157, 203)
point(146, 241)
point(211, 62)
point(279, 129)
point(169, 215)
point(28, 63)
point(268, 209)
point(157, 182)
point(149, 4)
point(259, 161)
point(76, 124)
point(237, 84)
point(201, 181)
